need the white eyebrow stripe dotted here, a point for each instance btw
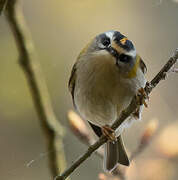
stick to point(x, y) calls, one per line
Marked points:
point(110, 34)
point(132, 53)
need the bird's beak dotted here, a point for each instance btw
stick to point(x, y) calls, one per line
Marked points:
point(113, 51)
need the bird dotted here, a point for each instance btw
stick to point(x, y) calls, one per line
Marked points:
point(107, 74)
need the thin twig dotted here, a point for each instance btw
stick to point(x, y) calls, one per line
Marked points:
point(28, 61)
point(2, 5)
point(125, 114)
point(146, 138)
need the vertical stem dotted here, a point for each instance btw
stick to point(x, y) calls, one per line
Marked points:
point(28, 61)
point(2, 5)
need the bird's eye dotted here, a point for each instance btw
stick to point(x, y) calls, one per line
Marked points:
point(106, 42)
point(125, 58)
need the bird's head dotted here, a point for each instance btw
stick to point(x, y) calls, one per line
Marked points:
point(117, 46)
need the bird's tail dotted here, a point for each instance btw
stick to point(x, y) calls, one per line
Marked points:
point(115, 153)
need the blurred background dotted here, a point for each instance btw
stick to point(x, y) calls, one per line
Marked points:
point(60, 29)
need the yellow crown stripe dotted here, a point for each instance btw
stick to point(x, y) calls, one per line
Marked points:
point(123, 40)
point(117, 47)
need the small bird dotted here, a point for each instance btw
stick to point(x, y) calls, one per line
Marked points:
point(107, 74)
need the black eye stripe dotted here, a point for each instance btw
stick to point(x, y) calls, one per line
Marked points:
point(106, 42)
point(103, 39)
point(125, 58)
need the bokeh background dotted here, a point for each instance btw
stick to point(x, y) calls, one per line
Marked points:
point(60, 29)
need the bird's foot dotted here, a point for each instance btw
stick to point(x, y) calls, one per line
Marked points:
point(108, 132)
point(136, 114)
point(142, 96)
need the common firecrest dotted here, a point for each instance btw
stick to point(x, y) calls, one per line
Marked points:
point(107, 74)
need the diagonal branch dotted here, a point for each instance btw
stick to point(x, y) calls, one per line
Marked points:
point(125, 114)
point(28, 61)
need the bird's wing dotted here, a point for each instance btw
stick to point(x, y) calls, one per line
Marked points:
point(71, 84)
point(143, 66)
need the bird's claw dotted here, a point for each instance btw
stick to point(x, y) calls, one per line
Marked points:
point(108, 132)
point(141, 97)
point(136, 114)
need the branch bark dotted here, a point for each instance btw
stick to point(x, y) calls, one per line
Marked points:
point(125, 114)
point(2, 5)
point(28, 61)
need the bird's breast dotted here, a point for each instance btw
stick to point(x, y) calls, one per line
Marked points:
point(100, 92)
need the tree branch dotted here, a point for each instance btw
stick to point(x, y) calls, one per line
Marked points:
point(2, 5)
point(28, 61)
point(125, 114)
